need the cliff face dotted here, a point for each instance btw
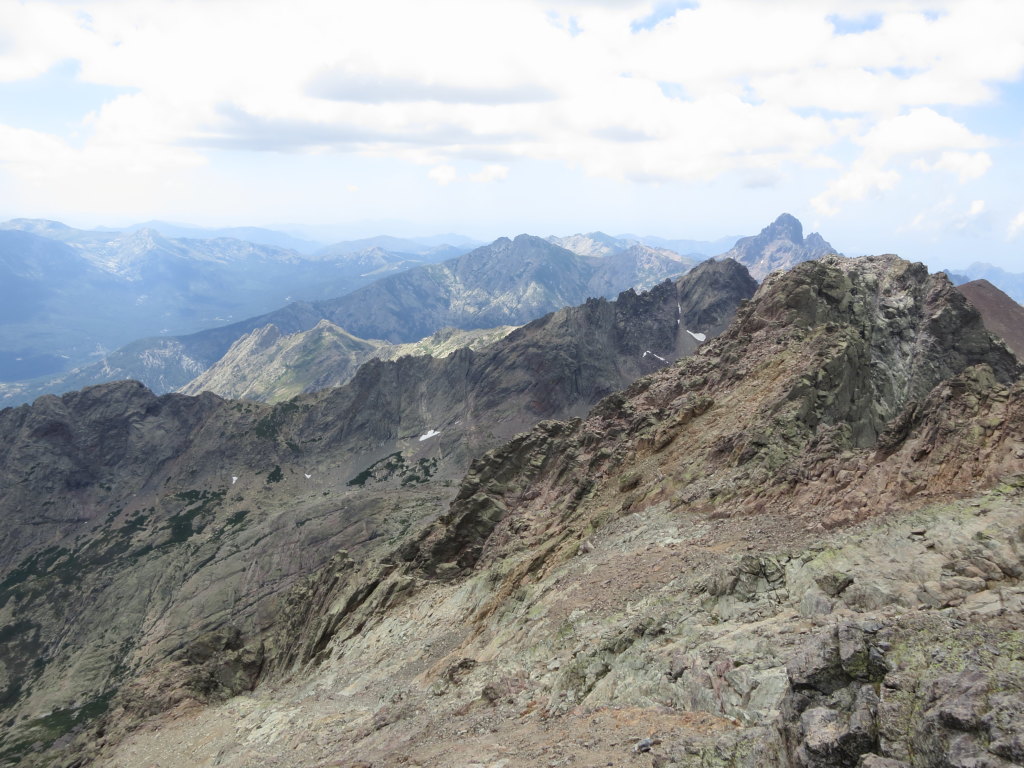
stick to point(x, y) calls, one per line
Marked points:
point(799, 547)
point(148, 541)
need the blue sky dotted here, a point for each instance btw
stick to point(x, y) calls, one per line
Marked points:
point(890, 126)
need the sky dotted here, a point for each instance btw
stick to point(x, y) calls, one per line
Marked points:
point(893, 126)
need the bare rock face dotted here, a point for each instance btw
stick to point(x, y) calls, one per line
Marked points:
point(150, 541)
point(780, 245)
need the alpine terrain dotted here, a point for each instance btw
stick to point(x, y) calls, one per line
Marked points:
point(146, 536)
point(801, 546)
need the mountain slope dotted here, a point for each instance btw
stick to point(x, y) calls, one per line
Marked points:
point(1011, 283)
point(268, 366)
point(1002, 315)
point(656, 579)
point(141, 531)
point(780, 245)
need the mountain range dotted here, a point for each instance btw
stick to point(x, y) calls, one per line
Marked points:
point(69, 294)
point(508, 282)
point(798, 544)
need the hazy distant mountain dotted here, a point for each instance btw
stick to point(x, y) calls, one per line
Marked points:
point(592, 243)
point(508, 282)
point(780, 245)
point(1011, 283)
point(684, 246)
point(1002, 315)
point(48, 307)
point(437, 247)
point(258, 235)
point(68, 293)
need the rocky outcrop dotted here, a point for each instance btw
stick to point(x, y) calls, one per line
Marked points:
point(780, 245)
point(843, 387)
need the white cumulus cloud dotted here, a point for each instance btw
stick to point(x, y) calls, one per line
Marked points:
point(443, 174)
point(1016, 226)
point(645, 91)
point(489, 173)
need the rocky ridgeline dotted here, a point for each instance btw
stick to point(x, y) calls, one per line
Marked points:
point(754, 557)
point(844, 388)
point(150, 541)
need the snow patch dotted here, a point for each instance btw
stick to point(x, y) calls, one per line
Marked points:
point(698, 336)
point(648, 352)
point(307, 476)
point(234, 479)
point(429, 434)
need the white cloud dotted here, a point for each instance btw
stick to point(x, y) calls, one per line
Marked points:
point(490, 173)
point(863, 179)
point(443, 174)
point(1016, 226)
point(964, 165)
point(919, 134)
point(569, 82)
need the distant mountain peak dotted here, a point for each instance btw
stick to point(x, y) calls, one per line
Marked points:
point(780, 245)
point(785, 227)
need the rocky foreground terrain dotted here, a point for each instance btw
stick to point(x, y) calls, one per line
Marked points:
point(139, 525)
point(801, 546)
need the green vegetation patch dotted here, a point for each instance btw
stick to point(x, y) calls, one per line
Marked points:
point(44, 731)
point(379, 470)
point(420, 472)
point(198, 503)
point(276, 476)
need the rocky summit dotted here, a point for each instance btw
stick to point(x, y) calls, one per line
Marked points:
point(800, 546)
point(780, 245)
